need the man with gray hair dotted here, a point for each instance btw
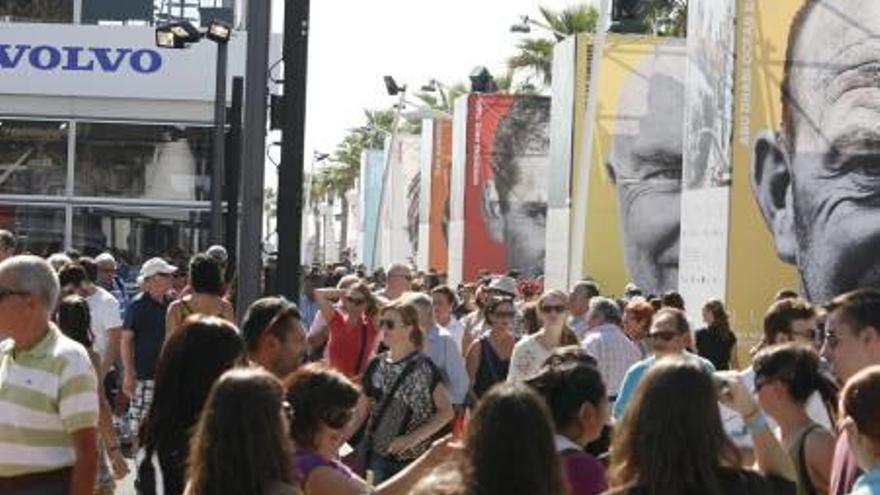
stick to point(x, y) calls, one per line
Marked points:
point(441, 348)
point(399, 280)
point(48, 390)
point(578, 305)
point(606, 342)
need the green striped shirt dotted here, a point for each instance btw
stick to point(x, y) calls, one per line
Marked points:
point(47, 393)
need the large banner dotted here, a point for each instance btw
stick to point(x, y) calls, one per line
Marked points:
point(372, 171)
point(634, 167)
point(504, 174)
point(398, 217)
point(705, 200)
point(436, 173)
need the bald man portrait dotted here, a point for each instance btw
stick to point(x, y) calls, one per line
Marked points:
point(645, 166)
point(817, 178)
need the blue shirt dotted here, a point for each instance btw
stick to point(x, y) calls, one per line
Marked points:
point(868, 483)
point(634, 375)
point(308, 308)
point(446, 355)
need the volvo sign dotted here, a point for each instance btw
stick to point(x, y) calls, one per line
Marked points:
point(80, 58)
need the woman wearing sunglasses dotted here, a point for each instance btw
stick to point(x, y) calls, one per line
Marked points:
point(409, 403)
point(488, 358)
point(530, 353)
point(352, 330)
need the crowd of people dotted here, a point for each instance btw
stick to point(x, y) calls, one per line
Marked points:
point(397, 383)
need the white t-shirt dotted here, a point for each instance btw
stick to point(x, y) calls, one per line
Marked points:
point(104, 309)
point(455, 329)
point(527, 358)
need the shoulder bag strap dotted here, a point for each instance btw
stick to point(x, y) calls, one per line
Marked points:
point(488, 356)
point(383, 405)
point(802, 461)
point(363, 351)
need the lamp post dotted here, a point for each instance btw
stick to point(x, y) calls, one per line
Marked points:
point(524, 26)
point(181, 34)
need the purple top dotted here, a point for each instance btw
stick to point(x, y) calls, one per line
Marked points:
point(585, 474)
point(305, 462)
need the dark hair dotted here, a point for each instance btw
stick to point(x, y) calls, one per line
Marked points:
point(787, 92)
point(671, 437)
point(7, 240)
point(261, 313)
point(566, 387)
point(72, 274)
point(589, 287)
point(678, 317)
point(672, 299)
point(90, 267)
point(570, 354)
point(75, 321)
point(493, 305)
point(446, 292)
point(318, 394)
point(531, 319)
point(797, 367)
point(568, 336)
point(191, 360)
point(786, 294)
point(859, 401)
point(720, 319)
point(205, 275)
point(409, 315)
point(782, 313)
point(511, 433)
point(239, 445)
point(859, 309)
point(522, 130)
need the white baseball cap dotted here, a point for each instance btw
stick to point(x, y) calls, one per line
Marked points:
point(155, 266)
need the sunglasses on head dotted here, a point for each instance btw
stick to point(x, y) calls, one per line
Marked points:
point(554, 308)
point(282, 313)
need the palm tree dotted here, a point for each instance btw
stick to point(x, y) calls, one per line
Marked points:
point(536, 54)
point(667, 17)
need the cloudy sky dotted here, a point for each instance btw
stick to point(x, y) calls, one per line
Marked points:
point(353, 43)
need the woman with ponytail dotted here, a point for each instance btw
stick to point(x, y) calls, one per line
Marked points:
point(785, 377)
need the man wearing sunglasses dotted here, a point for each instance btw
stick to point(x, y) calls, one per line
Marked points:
point(670, 335)
point(852, 343)
point(48, 390)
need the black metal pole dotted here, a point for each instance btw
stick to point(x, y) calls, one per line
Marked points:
point(291, 171)
point(218, 173)
point(233, 167)
point(253, 161)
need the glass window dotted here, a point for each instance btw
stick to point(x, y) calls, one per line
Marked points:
point(33, 157)
point(36, 10)
point(143, 161)
point(137, 234)
point(39, 229)
point(127, 11)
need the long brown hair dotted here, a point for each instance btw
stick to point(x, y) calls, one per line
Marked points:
point(568, 335)
point(720, 320)
point(671, 438)
point(239, 445)
point(510, 447)
point(409, 315)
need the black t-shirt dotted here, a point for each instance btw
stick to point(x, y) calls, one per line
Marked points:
point(146, 318)
point(716, 346)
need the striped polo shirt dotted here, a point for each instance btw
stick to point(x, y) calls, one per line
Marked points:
point(47, 393)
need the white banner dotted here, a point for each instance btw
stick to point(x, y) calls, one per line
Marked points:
point(108, 62)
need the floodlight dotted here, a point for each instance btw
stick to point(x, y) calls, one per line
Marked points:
point(185, 31)
point(166, 39)
point(392, 87)
point(522, 26)
point(482, 80)
point(219, 32)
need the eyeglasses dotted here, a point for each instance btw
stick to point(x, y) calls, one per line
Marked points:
point(807, 334)
point(387, 323)
point(554, 309)
point(357, 301)
point(664, 336)
point(5, 292)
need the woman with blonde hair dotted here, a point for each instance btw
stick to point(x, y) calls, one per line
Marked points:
point(532, 350)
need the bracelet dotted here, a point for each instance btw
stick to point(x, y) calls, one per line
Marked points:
point(758, 424)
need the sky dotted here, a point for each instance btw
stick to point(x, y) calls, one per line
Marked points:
point(353, 43)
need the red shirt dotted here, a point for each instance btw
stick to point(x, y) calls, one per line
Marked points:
point(351, 344)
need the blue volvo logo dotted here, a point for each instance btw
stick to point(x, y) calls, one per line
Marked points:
point(80, 58)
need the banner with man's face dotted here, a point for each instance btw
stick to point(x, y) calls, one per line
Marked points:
point(505, 184)
point(634, 169)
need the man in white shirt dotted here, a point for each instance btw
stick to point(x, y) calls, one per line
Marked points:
point(103, 308)
point(444, 302)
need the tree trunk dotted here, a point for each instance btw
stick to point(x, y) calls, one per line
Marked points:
point(343, 226)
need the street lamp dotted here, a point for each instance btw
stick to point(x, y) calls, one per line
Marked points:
point(524, 26)
point(435, 86)
point(181, 34)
